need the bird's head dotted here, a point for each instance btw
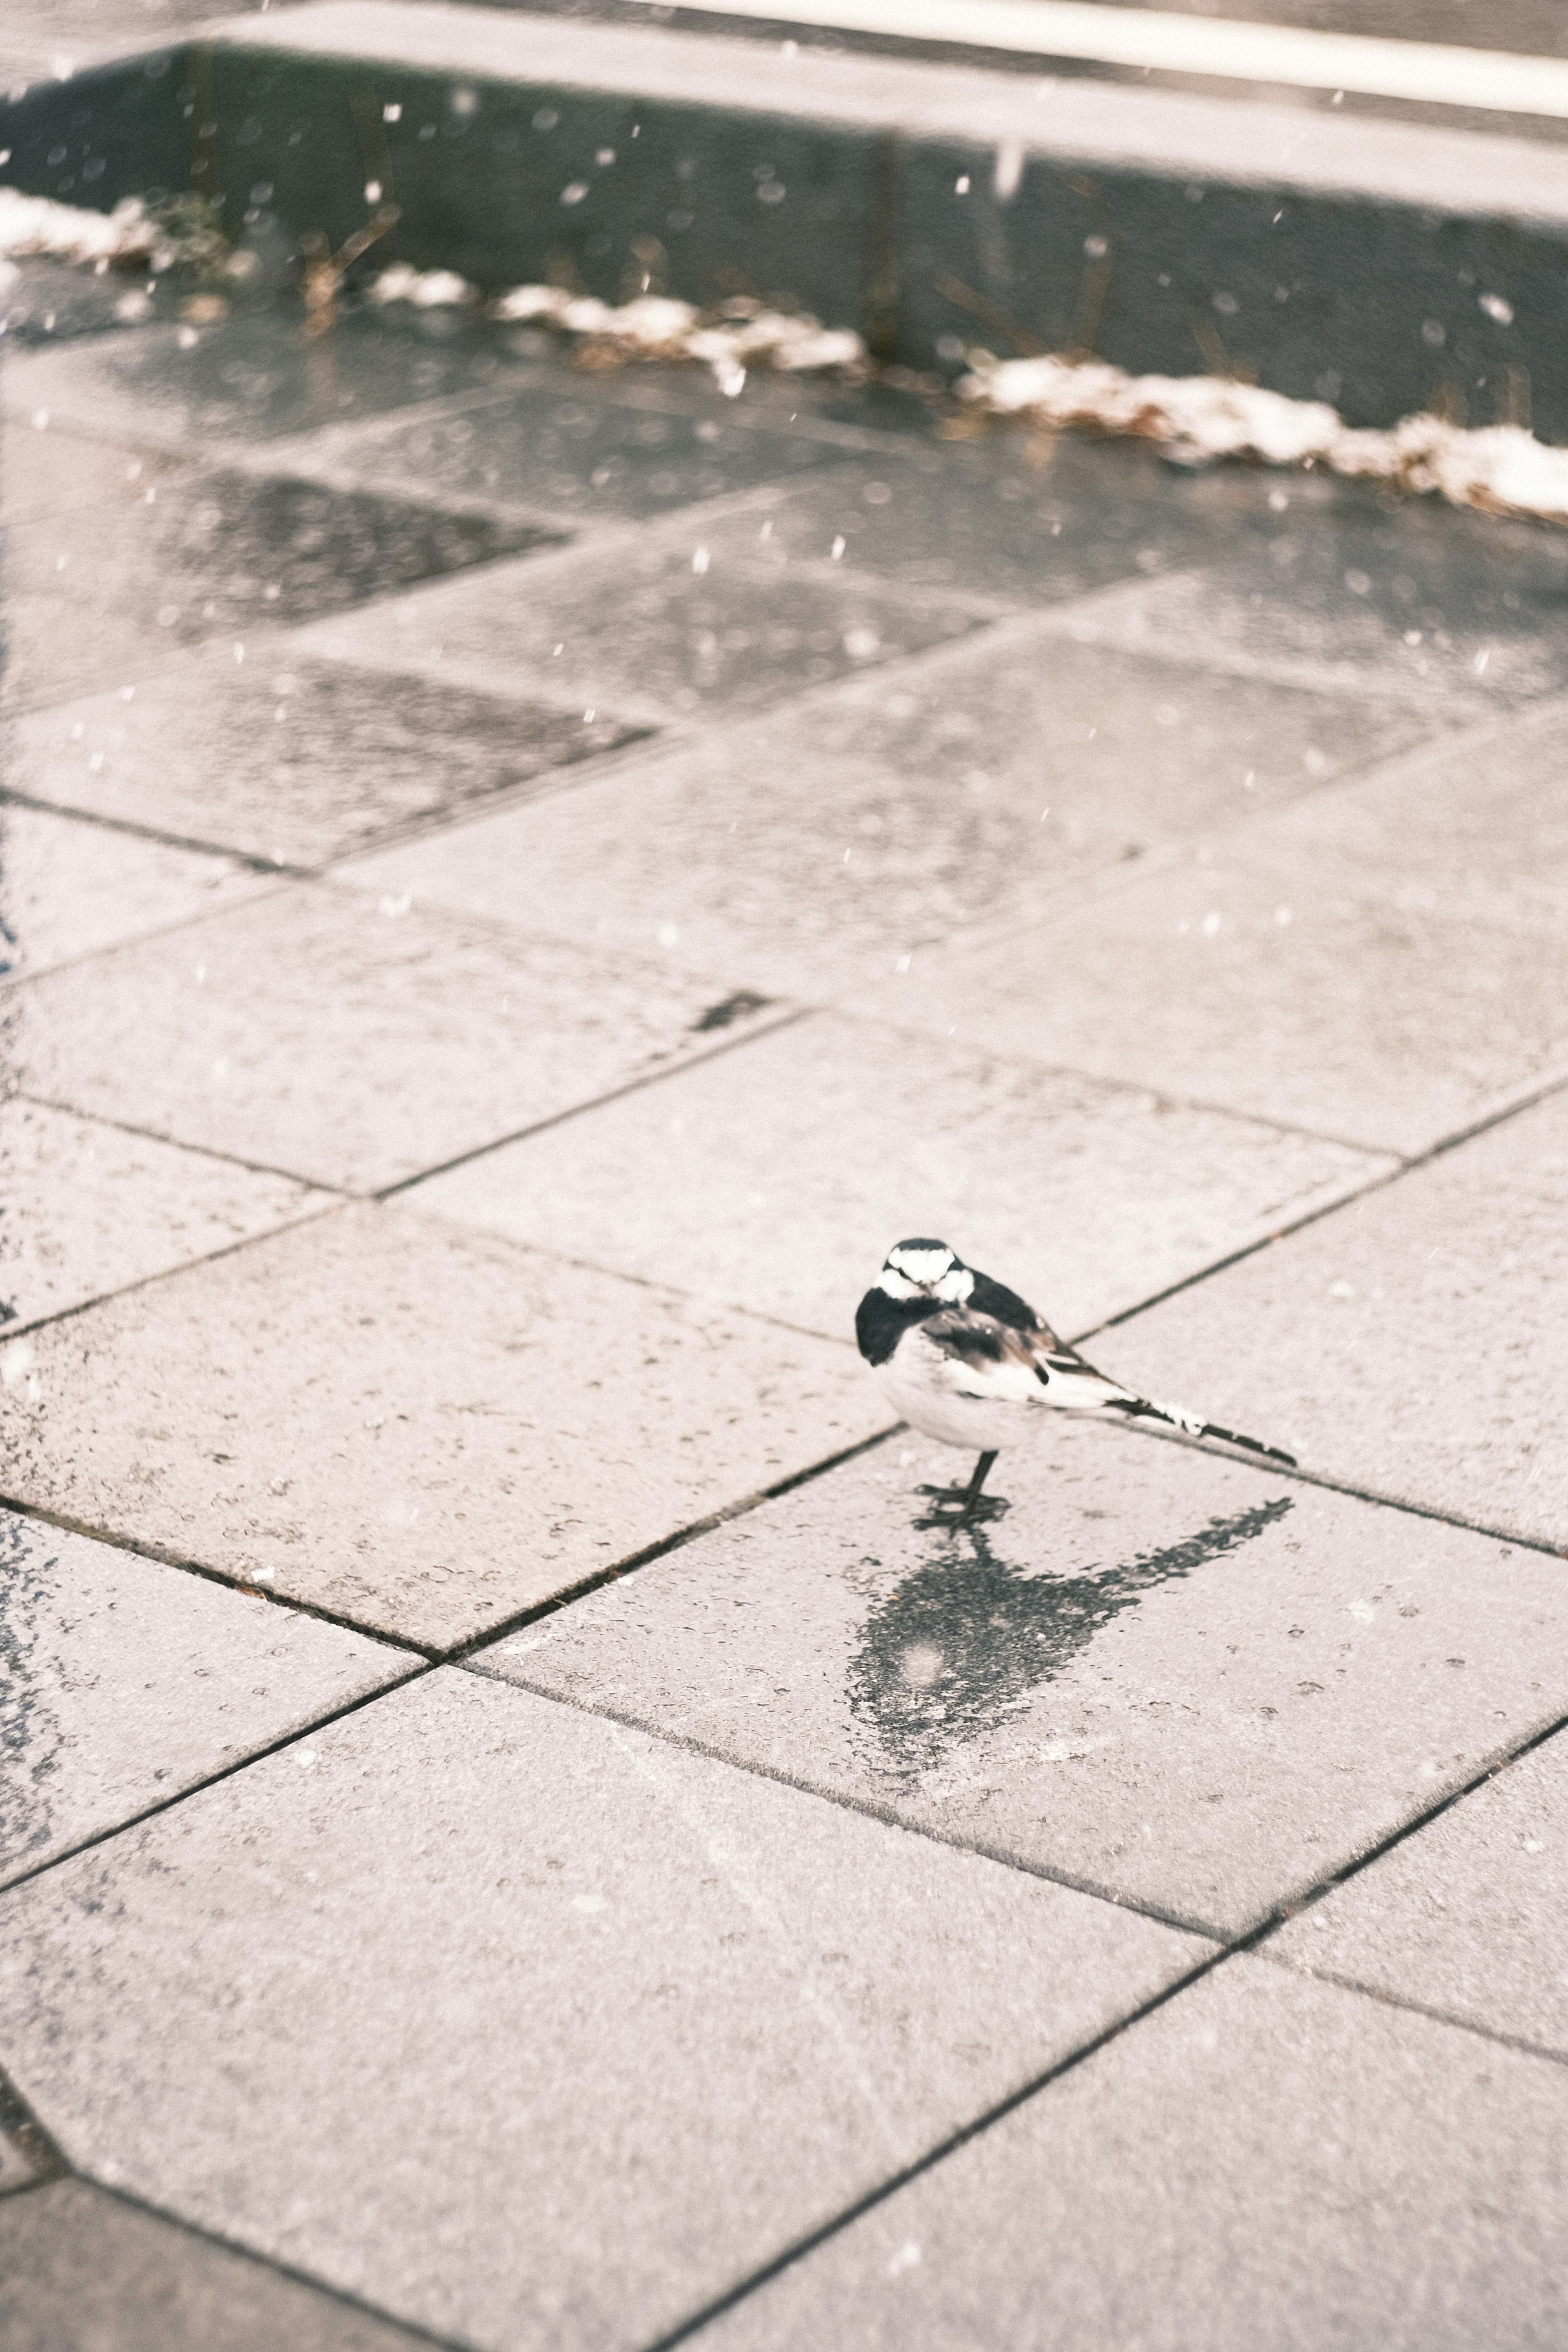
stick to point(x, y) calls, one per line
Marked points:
point(922, 1269)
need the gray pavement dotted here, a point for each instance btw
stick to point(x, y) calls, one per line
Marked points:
point(517, 1834)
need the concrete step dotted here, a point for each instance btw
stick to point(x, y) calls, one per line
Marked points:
point(1380, 265)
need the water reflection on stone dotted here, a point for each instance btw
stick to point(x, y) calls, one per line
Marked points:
point(30, 1737)
point(963, 1641)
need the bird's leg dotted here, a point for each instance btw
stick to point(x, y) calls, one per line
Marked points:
point(972, 1493)
point(971, 1504)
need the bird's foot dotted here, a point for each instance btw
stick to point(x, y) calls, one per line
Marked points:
point(956, 1507)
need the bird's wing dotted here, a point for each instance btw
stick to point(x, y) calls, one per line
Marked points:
point(980, 1357)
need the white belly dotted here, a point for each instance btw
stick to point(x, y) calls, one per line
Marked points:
point(921, 1386)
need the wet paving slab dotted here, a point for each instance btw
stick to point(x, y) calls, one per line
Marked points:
point(1264, 2162)
point(595, 1959)
point(636, 447)
point(1453, 609)
point(70, 890)
point(127, 1681)
point(92, 1209)
point(680, 617)
point(1192, 1685)
point(1412, 1343)
point(1468, 1917)
point(84, 2266)
point(416, 1427)
point(786, 1170)
point(214, 551)
point(503, 1030)
point(813, 849)
point(1281, 973)
point(256, 377)
point(290, 760)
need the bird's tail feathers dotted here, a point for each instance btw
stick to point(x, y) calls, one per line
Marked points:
point(1146, 1409)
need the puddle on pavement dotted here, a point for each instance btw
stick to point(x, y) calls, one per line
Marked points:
point(963, 1642)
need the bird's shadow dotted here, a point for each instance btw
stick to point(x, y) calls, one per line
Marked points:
point(951, 1651)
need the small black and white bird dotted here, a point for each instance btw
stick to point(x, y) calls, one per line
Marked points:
point(966, 1361)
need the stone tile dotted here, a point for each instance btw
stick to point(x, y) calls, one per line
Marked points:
point(1475, 829)
point(691, 1949)
point(296, 761)
point(589, 449)
point(128, 1681)
point(90, 1209)
point(1412, 1343)
point(814, 846)
point(1035, 518)
point(1470, 1916)
point(1457, 609)
point(84, 2271)
point(776, 1179)
point(1175, 1677)
point(252, 377)
point(1264, 2163)
point(1279, 975)
point(421, 1429)
point(69, 889)
point(209, 553)
point(346, 1039)
point(679, 617)
point(51, 472)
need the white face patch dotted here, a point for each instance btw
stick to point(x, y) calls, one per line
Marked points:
point(924, 1266)
point(931, 1274)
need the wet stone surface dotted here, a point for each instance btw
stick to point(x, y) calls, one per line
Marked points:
point(786, 1169)
point(504, 1030)
point(682, 843)
point(687, 1942)
point(816, 847)
point(126, 1681)
point(294, 761)
point(1181, 1680)
point(421, 1429)
point(82, 2267)
point(1307, 2168)
point(1462, 1265)
point(210, 554)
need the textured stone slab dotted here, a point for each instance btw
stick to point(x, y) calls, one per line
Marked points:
point(1412, 1343)
point(67, 890)
point(422, 1429)
point(82, 2270)
point(564, 1971)
point(680, 616)
point(50, 471)
point(89, 1209)
point(125, 1681)
point(1280, 976)
point(1455, 608)
point(296, 761)
point(253, 377)
point(1470, 1916)
point(349, 1039)
point(817, 846)
point(777, 1179)
point(578, 448)
point(1191, 1682)
point(210, 554)
point(1264, 2163)
point(1475, 829)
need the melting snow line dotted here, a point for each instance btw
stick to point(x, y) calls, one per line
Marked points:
point(1499, 469)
